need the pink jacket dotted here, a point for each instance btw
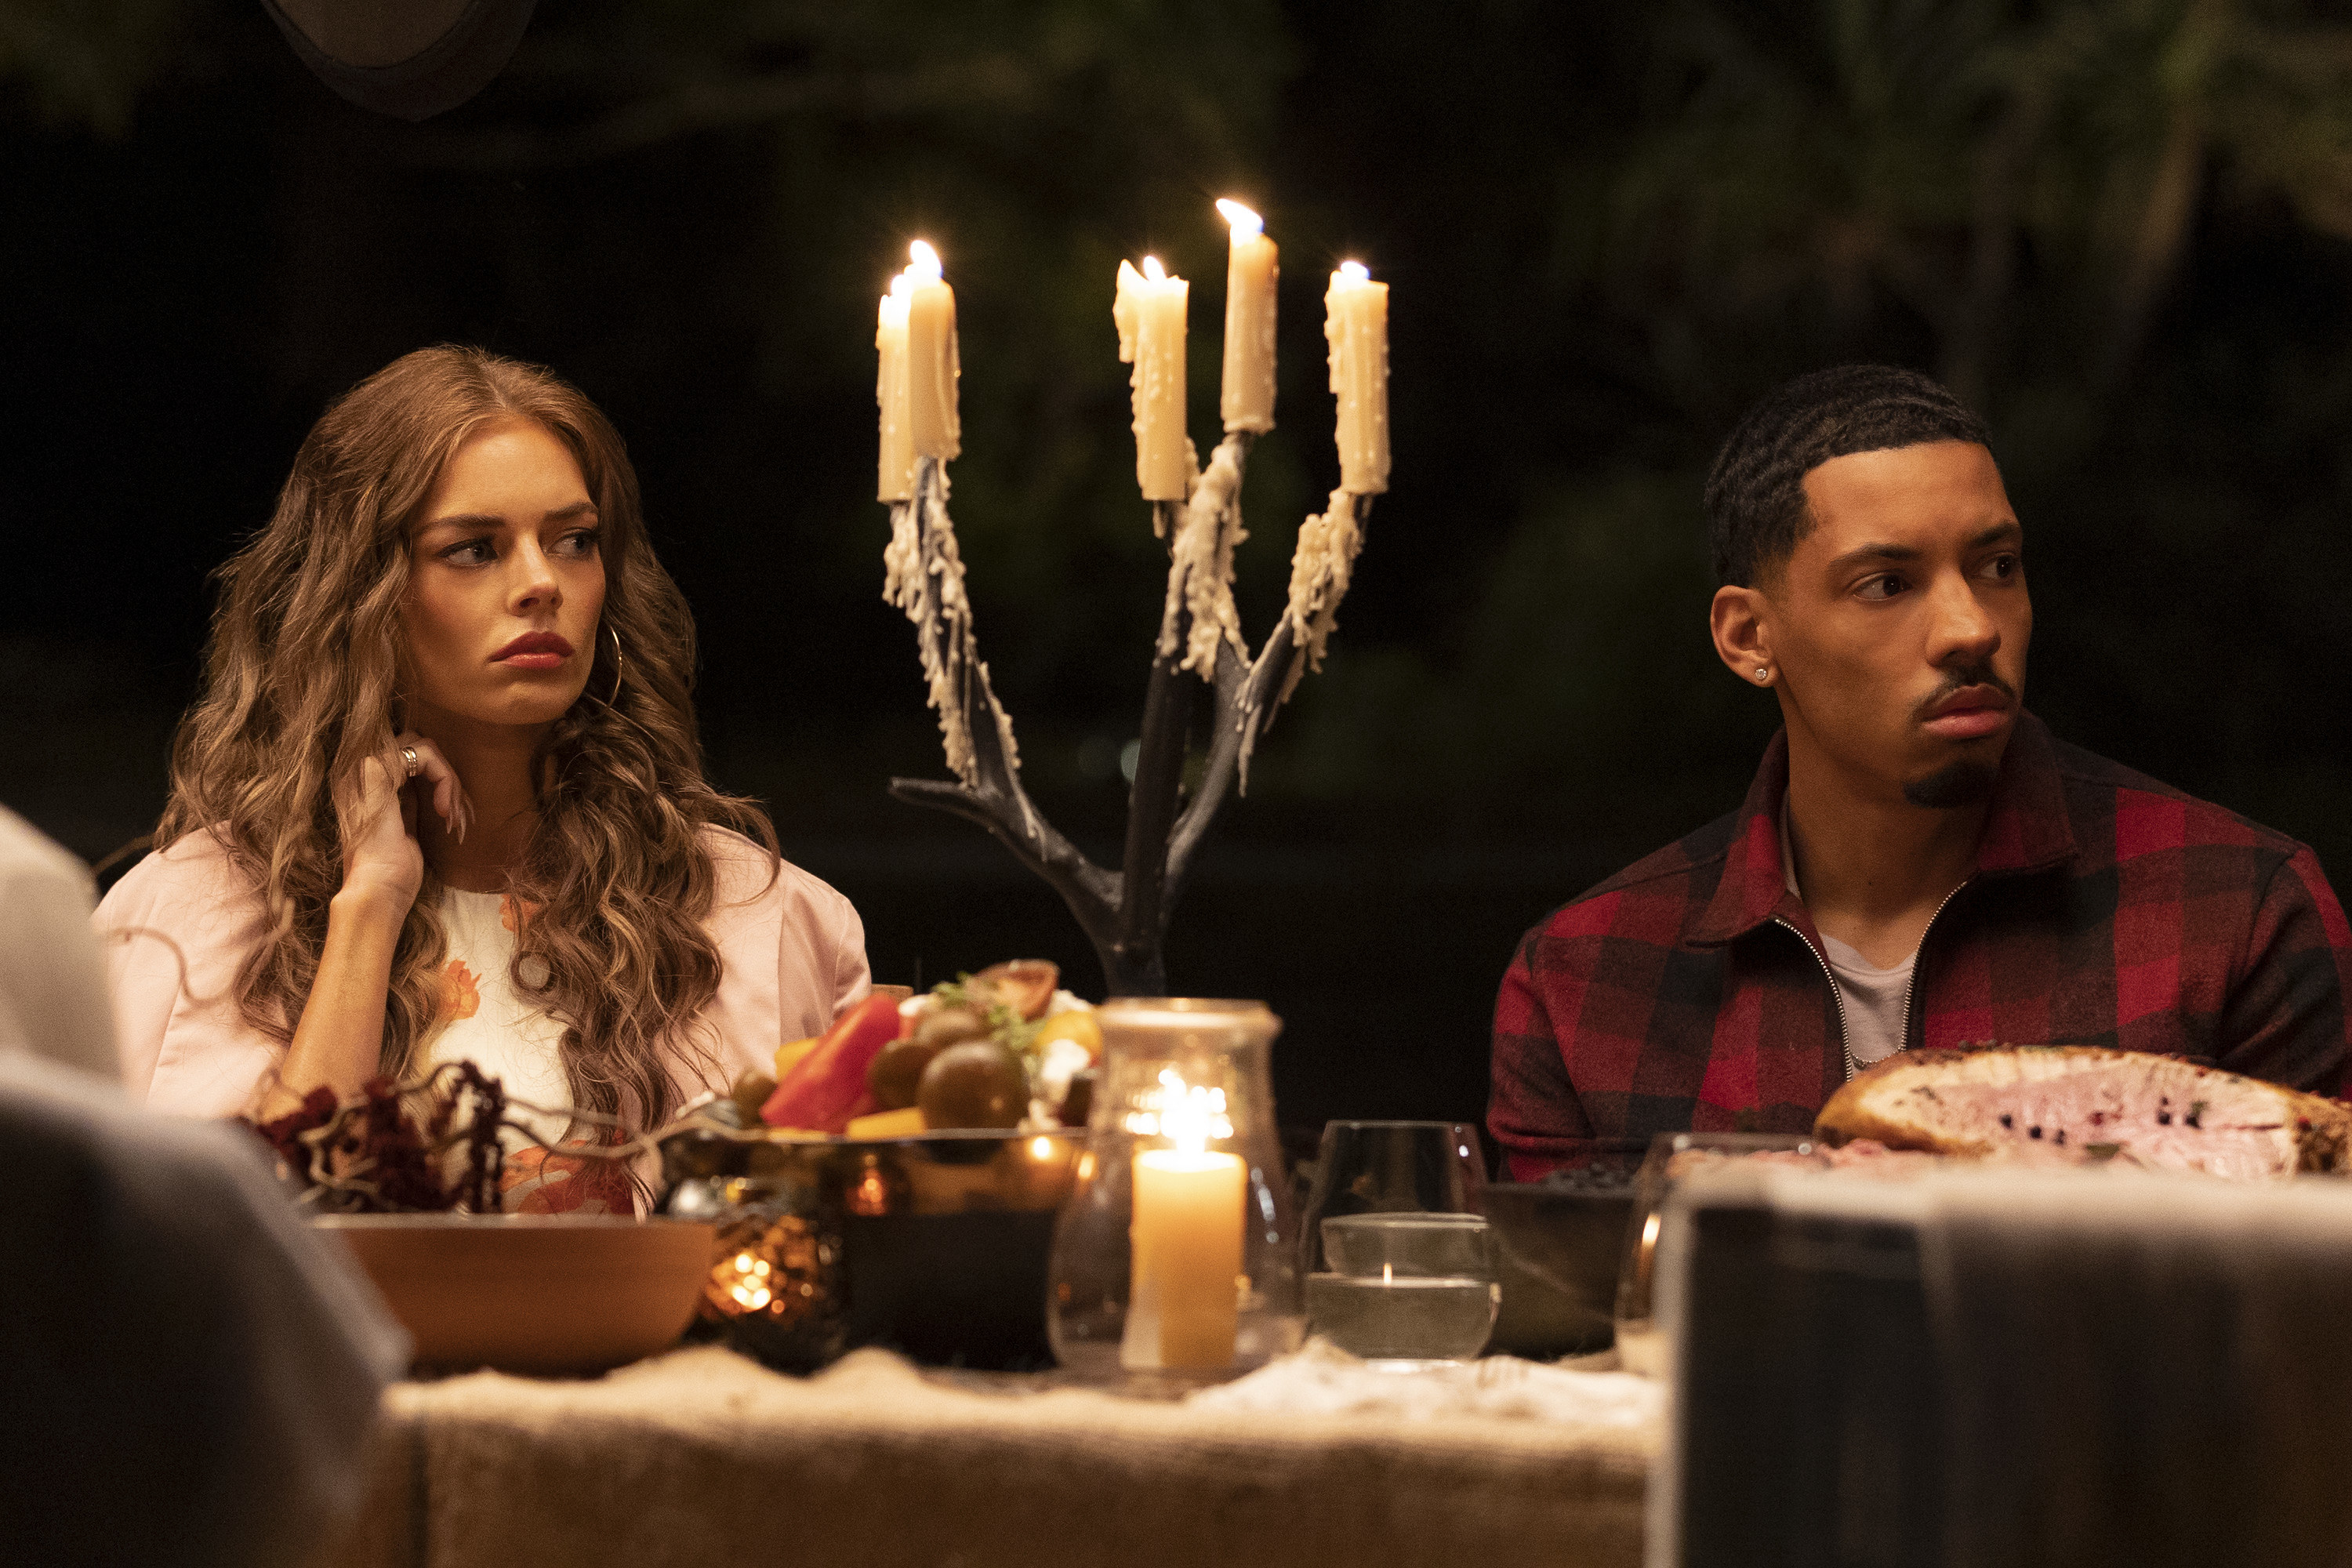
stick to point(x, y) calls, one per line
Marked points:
point(792, 954)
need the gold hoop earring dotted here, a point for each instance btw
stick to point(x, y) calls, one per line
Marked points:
point(620, 664)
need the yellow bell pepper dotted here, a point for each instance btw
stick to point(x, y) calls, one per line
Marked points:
point(1076, 1026)
point(787, 1057)
point(906, 1123)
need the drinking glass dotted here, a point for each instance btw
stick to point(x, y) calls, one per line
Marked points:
point(1391, 1167)
point(1674, 1156)
point(1406, 1286)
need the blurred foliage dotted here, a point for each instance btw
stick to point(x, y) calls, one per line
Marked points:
point(2120, 227)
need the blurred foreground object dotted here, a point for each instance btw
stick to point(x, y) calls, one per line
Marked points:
point(190, 1376)
point(2016, 1368)
point(409, 58)
point(53, 997)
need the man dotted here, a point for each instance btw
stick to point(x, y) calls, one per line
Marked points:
point(1918, 862)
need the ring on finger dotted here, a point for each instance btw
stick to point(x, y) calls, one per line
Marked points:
point(408, 755)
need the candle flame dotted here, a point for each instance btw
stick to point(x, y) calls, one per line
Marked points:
point(1355, 272)
point(1187, 1115)
point(1388, 1274)
point(1042, 1148)
point(1246, 224)
point(925, 267)
point(1153, 270)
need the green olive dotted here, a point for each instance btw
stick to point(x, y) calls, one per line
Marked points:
point(976, 1084)
point(896, 1070)
point(947, 1026)
point(750, 1093)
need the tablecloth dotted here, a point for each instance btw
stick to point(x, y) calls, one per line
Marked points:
point(701, 1456)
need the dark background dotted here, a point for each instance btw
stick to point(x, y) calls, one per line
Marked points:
point(2119, 230)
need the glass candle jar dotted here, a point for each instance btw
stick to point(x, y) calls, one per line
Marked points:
point(1176, 1257)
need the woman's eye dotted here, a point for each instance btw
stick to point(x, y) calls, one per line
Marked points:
point(468, 553)
point(580, 543)
point(1885, 586)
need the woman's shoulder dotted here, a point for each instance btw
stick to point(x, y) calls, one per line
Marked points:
point(193, 878)
point(750, 875)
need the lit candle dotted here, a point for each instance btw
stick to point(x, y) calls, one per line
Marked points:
point(1149, 310)
point(897, 467)
point(1356, 320)
point(933, 367)
point(1250, 274)
point(1183, 1304)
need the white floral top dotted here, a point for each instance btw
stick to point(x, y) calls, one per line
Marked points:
point(511, 1036)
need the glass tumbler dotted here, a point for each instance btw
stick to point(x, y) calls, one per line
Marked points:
point(1176, 1255)
point(1674, 1156)
point(1406, 1286)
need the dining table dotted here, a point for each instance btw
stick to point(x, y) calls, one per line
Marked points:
point(703, 1455)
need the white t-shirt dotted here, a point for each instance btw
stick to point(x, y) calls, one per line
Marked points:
point(1873, 999)
point(514, 1038)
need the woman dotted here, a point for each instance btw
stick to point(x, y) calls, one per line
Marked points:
point(442, 796)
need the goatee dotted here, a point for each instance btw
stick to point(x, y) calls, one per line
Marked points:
point(1954, 784)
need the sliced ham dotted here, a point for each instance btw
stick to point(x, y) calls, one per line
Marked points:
point(2080, 1104)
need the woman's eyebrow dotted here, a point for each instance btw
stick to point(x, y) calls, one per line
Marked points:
point(493, 522)
point(463, 519)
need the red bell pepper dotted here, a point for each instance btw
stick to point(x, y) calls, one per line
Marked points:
point(827, 1087)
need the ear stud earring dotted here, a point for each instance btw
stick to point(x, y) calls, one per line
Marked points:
point(1762, 673)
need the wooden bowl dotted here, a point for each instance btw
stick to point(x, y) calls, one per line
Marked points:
point(532, 1293)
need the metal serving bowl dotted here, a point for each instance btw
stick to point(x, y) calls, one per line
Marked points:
point(934, 1245)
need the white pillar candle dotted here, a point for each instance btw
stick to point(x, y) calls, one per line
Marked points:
point(1356, 320)
point(1183, 1305)
point(1149, 310)
point(932, 367)
point(1248, 400)
point(897, 475)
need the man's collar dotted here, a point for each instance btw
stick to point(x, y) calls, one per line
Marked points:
point(2026, 829)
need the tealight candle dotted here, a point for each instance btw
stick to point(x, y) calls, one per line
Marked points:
point(1251, 271)
point(1356, 320)
point(1149, 310)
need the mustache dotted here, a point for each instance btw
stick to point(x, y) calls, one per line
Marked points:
point(1962, 678)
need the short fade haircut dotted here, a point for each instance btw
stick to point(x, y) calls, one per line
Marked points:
point(1756, 491)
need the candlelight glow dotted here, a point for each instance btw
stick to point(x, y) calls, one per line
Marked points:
point(925, 267)
point(1187, 1115)
point(1042, 1148)
point(1246, 224)
point(1153, 270)
point(1355, 272)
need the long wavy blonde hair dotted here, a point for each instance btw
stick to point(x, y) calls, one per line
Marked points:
point(303, 680)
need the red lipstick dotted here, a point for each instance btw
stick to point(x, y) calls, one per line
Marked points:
point(534, 650)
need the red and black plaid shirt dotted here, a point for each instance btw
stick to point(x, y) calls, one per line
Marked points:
point(1687, 992)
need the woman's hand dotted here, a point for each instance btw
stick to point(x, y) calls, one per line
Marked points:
point(376, 812)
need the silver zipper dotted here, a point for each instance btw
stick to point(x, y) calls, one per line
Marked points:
point(1836, 996)
point(1910, 989)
